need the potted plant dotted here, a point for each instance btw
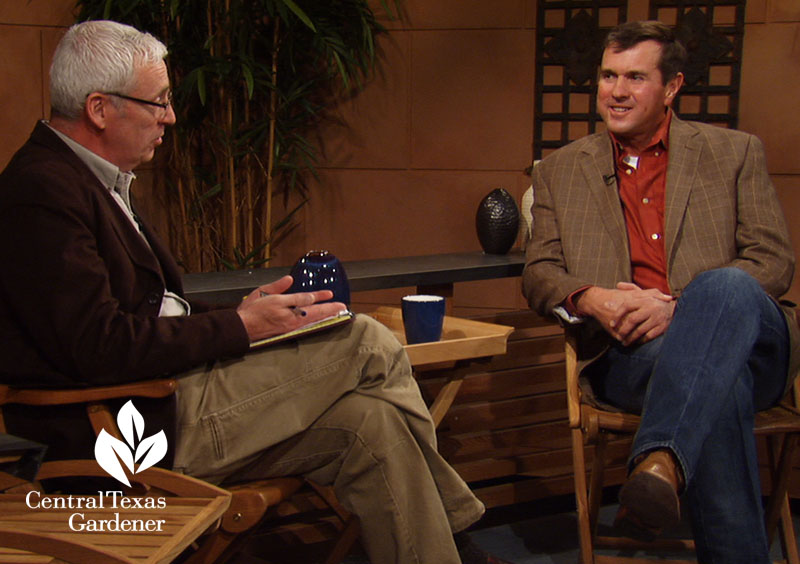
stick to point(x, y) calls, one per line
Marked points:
point(252, 78)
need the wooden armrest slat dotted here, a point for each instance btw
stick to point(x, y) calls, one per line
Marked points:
point(147, 388)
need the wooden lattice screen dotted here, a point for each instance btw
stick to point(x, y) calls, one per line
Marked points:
point(713, 34)
point(569, 36)
point(569, 41)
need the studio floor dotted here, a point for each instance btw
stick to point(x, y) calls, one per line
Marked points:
point(553, 539)
point(543, 532)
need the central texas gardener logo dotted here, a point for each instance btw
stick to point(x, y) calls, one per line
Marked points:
point(111, 453)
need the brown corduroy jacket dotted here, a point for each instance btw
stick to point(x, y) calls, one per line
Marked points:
point(80, 293)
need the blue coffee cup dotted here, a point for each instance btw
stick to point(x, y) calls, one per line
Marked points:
point(423, 317)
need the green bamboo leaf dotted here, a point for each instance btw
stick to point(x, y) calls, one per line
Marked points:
point(213, 191)
point(107, 10)
point(248, 79)
point(288, 217)
point(278, 237)
point(201, 86)
point(391, 15)
point(300, 14)
point(342, 71)
point(247, 259)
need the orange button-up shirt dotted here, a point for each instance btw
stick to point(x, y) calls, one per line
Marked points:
point(642, 182)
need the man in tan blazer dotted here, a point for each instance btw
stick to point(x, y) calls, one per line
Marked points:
point(663, 242)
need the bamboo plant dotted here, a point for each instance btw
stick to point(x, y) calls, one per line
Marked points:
point(252, 79)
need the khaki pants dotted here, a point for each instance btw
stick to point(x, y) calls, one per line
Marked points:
point(342, 408)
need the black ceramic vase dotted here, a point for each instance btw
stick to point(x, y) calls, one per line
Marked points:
point(497, 222)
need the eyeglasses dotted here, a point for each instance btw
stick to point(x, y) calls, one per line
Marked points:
point(162, 105)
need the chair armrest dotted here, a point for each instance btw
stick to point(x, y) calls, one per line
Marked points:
point(573, 387)
point(173, 483)
point(147, 388)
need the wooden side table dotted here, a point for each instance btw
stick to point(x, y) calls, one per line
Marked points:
point(463, 342)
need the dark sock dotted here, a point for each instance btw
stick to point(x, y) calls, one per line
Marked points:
point(462, 539)
point(468, 551)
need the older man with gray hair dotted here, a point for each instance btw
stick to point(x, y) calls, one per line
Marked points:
point(89, 296)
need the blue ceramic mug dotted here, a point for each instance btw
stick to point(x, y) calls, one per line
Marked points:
point(423, 317)
point(320, 270)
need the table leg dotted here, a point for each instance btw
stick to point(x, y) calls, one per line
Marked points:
point(447, 394)
point(444, 400)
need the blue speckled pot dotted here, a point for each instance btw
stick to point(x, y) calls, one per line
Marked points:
point(320, 270)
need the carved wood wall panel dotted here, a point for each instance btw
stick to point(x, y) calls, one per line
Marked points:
point(569, 35)
point(713, 33)
point(569, 41)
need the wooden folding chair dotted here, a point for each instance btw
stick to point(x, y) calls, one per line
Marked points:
point(183, 509)
point(250, 502)
point(593, 425)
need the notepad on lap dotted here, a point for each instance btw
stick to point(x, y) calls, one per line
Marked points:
point(340, 318)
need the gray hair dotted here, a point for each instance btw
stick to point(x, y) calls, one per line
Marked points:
point(98, 56)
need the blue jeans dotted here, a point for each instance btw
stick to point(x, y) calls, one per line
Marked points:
point(724, 356)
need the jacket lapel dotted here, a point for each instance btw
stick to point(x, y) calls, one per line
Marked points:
point(684, 157)
point(135, 246)
point(169, 269)
point(131, 239)
point(598, 171)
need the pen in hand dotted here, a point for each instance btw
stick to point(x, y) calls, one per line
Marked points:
point(297, 311)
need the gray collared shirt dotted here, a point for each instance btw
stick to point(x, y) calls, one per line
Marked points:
point(118, 184)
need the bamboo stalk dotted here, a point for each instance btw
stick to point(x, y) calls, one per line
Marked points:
point(184, 224)
point(197, 226)
point(232, 236)
point(273, 110)
point(249, 208)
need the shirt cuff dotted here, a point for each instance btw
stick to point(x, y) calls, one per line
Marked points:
point(566, 316)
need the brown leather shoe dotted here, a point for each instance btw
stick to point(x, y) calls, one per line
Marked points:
point(649, 498)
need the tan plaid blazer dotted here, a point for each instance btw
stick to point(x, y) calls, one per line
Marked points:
point(721, 210)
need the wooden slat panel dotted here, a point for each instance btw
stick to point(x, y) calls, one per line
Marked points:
point(540, 464)
point(530, 353)
point(497, 385)
point(533, 489)
point(507, 413)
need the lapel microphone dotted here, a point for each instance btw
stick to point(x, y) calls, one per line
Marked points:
point(609, 178)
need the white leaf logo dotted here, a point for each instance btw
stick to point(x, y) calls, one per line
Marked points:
point(109, 451)
point(152, 449)
point(128, 421)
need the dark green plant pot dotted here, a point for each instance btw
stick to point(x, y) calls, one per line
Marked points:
point(497, 222)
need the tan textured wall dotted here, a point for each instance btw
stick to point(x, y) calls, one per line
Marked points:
point(449, 119)
point(29, 32)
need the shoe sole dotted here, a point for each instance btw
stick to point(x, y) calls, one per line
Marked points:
point(651, 502)
point(629, 526)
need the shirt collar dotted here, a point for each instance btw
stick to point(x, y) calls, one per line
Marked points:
point(660, 139)
point(106, 172)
